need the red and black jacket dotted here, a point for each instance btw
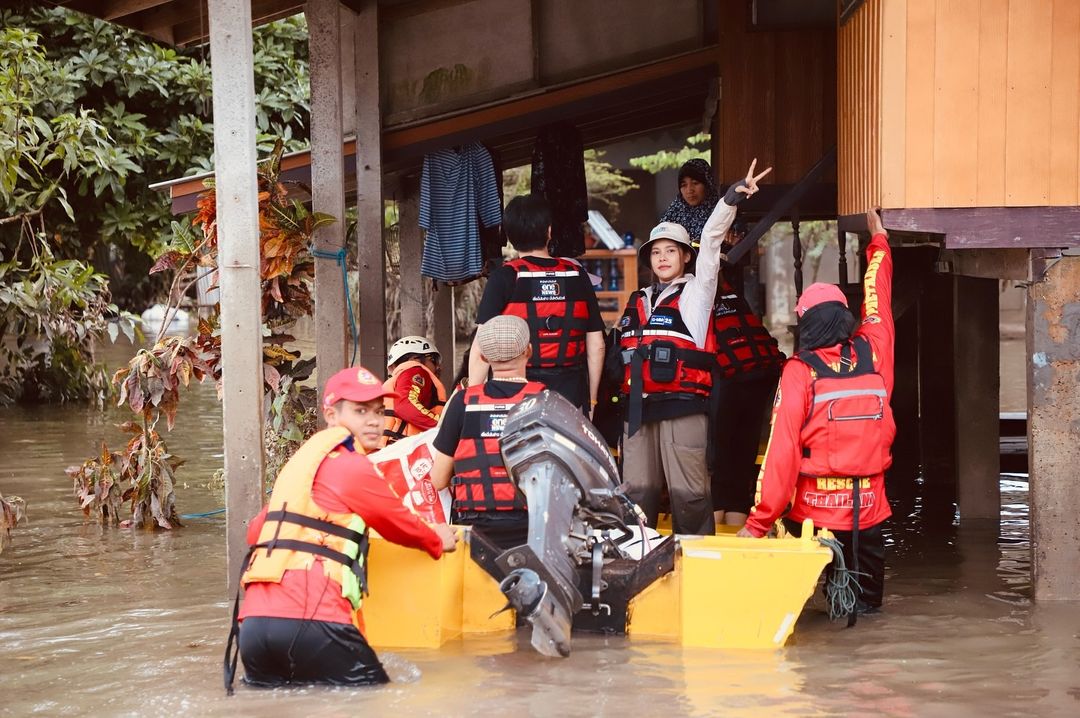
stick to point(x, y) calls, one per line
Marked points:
point(743, 345)
point(660, 354)
point(480, 480)
point(552, 300)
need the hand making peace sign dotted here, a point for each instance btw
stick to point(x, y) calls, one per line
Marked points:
point(750, 188)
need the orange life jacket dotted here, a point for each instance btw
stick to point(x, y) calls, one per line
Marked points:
point(850, 429)
point(396, 427)
point(297, 531)
point(480, 480)
point(551, 299)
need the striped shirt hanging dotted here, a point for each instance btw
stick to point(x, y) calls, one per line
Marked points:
point(459, 191)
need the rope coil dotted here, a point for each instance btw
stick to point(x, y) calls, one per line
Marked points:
point(842, 587)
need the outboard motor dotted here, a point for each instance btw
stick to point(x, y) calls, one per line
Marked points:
point(578, 516)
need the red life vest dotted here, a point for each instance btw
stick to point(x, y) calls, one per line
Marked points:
point(670, 359)
point(743, 345)
point(551, 299)
point(850, 429)
point(480, 480)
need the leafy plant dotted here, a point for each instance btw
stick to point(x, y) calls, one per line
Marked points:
point(12, 512)
point(143, 472)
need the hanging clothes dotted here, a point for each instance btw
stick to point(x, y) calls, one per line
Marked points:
point(493, 239)
point(459, 193)
point(558, 173)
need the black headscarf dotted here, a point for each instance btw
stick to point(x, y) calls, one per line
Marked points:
point(824, 325)
point(693, 218)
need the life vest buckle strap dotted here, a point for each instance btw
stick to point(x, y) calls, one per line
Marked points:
point(311, 523)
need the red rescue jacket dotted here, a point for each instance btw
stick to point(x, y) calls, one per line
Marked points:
point(480, 480)
point(552, 301)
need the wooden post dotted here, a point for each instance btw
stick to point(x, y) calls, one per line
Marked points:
point(327, 185)
point(1053, 364)
point(369, 198)
point(411, 249)
point(978, 401)
point(237, 193)
point(443, 330)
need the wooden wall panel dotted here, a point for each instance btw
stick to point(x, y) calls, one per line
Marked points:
point(859, 81)
point(778, 96)
point(1027, 104)
point(893, 101)
point(956, 94)
point(990, 121)
point(1065, 103)
point(919, 110)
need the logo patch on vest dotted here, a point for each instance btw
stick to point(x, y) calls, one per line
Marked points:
point(418, 379)
point(624, 322)
point(548, 290)
point(661, 320)
point(498, 423)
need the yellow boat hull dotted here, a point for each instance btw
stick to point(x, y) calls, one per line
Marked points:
point(725, 592)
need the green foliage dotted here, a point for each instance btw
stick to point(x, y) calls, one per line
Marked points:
point(90, 115)
point(697, 147)
point(77, 93)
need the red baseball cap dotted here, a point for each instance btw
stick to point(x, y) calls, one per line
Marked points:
point(818, 293)
point(354, 384)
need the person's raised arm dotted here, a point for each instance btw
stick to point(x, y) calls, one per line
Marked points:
point(877, 317)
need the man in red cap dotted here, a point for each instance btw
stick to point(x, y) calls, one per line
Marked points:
point(832, 428)
point(301, 621)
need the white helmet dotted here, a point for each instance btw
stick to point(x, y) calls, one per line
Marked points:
point(410, 345)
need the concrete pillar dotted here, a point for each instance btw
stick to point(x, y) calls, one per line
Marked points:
point(411, 249)
point(1053, 366)
point(237, 191)
point(443, 330)
point(369, 198)
point(976, 344)
point(937, 400)
point(327, 185)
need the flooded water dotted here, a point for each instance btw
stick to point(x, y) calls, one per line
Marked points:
point(119, 622)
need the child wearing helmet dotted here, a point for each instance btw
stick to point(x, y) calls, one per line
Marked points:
point(415, 395)
point(670, 363)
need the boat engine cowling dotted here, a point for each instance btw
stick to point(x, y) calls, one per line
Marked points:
point(578, 515)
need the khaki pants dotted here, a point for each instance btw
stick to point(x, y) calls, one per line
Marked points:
point(671, 450)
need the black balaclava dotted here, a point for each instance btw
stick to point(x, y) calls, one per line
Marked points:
point(824, 325)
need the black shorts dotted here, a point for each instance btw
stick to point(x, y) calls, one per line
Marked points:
point(292, 651)
point(743, 417)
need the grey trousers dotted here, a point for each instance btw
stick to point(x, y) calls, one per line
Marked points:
point(672, 451)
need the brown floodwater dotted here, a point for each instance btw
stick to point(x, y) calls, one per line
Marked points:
point(102, 621)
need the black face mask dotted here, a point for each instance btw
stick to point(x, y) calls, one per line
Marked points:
point(825, 325)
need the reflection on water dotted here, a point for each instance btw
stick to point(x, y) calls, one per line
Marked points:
point(120, 622)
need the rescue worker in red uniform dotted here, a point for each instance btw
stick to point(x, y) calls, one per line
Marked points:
point(832, 428)
point(416, 395)
point(466, 448)
point(667, 348)
point(555, 298)
point(301, 620)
